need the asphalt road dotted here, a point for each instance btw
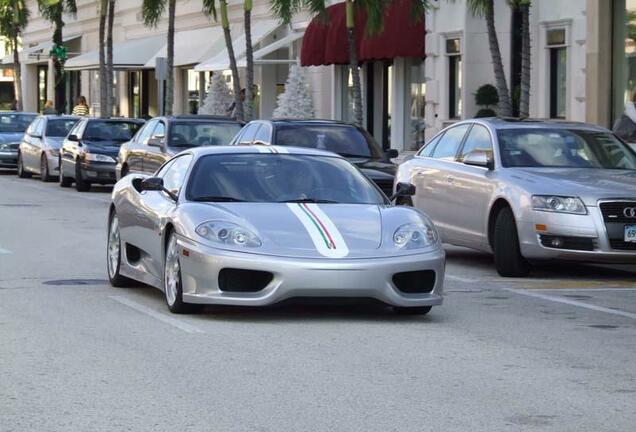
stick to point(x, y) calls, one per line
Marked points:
point(554, 352)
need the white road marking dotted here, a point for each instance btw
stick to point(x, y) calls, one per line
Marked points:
point(584, 289)
point(5, 251)
point(460, 279)
point(572, 302)
point(72, 194)
point(156, 315)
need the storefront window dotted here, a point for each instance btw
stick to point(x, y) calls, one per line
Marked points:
point(418, 104)
point(42, 86)
point(453, 51)
point(624, 55)
point(558, 53)
point(196, 93)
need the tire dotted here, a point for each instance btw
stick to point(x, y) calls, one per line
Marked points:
point(45, 175)
point(113, 254)
point(64, 181)
point(81, 185)
point(22, 173)
point(420, 310)
point(172, 287)
point(508, 259)
point(124, 172)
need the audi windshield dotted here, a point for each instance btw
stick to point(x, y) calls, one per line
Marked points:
point(564, 148)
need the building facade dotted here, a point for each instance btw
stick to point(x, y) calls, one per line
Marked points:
point(583, 65)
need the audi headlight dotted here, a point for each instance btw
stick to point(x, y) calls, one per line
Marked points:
point(98, 157)
point(228, 233)
point(558, 204)
point(9, 147)
point(415, 236)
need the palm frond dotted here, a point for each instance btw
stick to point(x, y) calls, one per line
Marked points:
point(151, 11)
point(285, 9)
point(209, 7)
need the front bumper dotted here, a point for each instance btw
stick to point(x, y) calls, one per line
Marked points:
point(590, 227)
point(302, 277)
point(99, 172)
point(8, 159)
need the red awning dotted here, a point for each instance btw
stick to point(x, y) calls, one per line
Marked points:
point(325, 40)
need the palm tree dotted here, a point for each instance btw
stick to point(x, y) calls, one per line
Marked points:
point(375, 10)
point(524, 99)
point(14, 16)
point(54, 11)
point(249, 60)
point(103, 82)
point(109, 58)
point(209, 7)
point(151, 11)
point(485, 9)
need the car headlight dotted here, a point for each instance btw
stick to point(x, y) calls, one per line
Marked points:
point(558, 204)
point(228, 233)
point(98, 157)
point(415, 236)
point(9, 147)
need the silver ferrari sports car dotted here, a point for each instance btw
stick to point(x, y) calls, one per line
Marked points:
point(255, 225)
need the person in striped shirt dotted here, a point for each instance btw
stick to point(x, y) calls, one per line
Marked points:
point(81, 107)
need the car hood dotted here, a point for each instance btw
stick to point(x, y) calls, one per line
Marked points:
point(11, 137)
point(300, 230)
point(375, 168)
point(110, 148)
point(587, 183)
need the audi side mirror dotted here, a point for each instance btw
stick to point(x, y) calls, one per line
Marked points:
point(391, 153)
point(403, 189)
point(73, 137)
point(479, 158)
point(156, 141)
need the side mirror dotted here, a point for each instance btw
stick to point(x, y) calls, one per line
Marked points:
point(479, 158)
point(403, 189)
point(391, 153)
point(156, 184)
point(73, 137)
point(156, 141)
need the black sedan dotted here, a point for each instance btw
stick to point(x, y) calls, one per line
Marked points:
point(89, 153)
point(12, 128)
point(349, 141)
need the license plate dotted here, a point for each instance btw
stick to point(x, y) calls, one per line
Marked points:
point(630, 233)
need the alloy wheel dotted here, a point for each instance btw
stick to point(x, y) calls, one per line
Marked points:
point(172, 272)
point(114, 247)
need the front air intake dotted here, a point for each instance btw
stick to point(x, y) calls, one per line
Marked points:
point(415, 282)
point(239, 280)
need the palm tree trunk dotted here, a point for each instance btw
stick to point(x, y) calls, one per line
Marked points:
point(17, 73)
point(103, 103)
point(170, 60)
point(353, 64)
point(524, 99)
point(249, 58)
point(60, 87)
point(505, 104)
point(225, 23)
point(109, 59)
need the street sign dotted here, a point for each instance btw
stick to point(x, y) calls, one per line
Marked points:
point(161, 68)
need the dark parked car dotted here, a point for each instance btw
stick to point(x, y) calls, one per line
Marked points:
point(89, 153)
point(349, 141)
point(39, 152)
point(12, 127)
point(163, 137)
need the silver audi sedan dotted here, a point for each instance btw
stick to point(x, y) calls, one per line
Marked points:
point(528, 191)
point(255, 225)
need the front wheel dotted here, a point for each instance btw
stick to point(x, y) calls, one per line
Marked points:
point(22, 173)
point(172, 285)
point(64, 181)
point(113, 252)
point(81, 185)
point(508, 259)
point(420, 310)
point(45, 174)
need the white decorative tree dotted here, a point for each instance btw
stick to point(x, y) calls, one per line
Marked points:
point(219, 98)
point(295, 102)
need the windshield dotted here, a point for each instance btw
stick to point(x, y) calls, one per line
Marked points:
point(266, 177)
point(202, 134)
point(110, 130)
point(59, 127)
point(15, 122)
point(564, 148)
point(345, 140)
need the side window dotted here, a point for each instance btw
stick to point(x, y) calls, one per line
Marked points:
point(249, 134)
point(427, 150)
point(478, 139)
point(174, 173)
point(145, 133)
point(160, 130)
point(263, 134)
point(79, 128)
point(449, 144)
point(33, 128)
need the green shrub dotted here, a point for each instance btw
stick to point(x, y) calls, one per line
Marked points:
point(486, 95)
point(486, 112)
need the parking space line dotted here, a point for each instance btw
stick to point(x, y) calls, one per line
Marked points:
point(583, 289)
point(580, 304)
point(460, 279)
point(5, 251)
point(156, 315)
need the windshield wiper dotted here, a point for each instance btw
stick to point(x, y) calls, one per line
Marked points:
point(309, 200)
point(217, 198)
point(351, 155)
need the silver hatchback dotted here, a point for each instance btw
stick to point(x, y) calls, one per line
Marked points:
point(529, 190)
